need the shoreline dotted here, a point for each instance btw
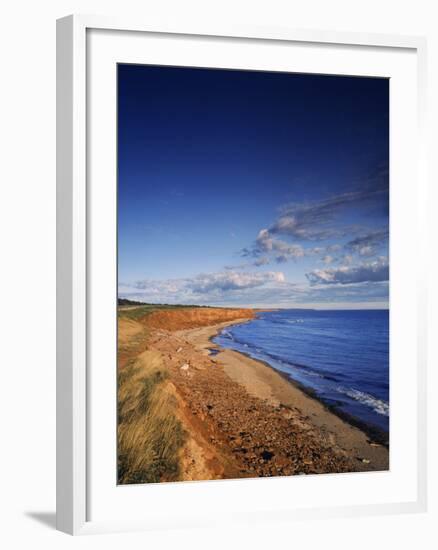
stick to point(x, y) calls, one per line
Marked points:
point(233, 416)
point(374, 433)
point(262, 380)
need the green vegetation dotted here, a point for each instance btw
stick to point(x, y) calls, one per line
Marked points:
point(131, 309)
point(137, 312)
point(126, 302)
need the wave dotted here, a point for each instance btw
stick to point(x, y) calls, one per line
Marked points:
point(227, 334)
point(281, 321)
point(378, 405)
point(317, 352)
point(306, 369)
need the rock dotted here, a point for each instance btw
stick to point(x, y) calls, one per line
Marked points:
point(281, 462)
point(178, 350)
point(243, 450)
point(185, 366)
point(267, 455)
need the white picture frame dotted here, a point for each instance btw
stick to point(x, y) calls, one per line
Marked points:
point(74, 218)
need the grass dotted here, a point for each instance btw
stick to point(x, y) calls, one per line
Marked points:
point(137, 310)
point(150, 436)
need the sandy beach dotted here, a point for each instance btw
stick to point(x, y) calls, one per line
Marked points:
point(241, 417)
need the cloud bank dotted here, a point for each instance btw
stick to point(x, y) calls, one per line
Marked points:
point(201, 288)
point(376, 271)
point(366, 245)
point(329, 219)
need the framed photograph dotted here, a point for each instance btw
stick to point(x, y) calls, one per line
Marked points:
point(241, 275)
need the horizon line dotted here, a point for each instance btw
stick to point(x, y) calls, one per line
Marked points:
point(319, 307)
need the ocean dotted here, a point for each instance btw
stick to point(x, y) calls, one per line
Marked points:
point(341, 357)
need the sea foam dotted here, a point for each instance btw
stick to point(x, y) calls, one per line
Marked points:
point(378, 405)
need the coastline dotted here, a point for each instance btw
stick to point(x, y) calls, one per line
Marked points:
point(237, 416)
point(263, 381)
point(373, 433)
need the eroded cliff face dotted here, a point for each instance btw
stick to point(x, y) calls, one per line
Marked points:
point(179, 319)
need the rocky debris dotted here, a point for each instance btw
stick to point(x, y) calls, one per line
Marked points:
point(253, 436)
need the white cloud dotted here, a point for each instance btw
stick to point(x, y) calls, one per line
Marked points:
point(319, 220)
point(368, 272)
point(327, 219)
point(366, 245)
point(365, 251)
point(327, 259)
point(255, 290)
point(232, 280)
point(262, 261)
point(202, 288)
point(284, 251)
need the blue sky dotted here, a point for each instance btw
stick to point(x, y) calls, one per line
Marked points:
point(252, 188)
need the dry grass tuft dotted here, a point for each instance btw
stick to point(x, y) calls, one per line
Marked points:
point(149, 434)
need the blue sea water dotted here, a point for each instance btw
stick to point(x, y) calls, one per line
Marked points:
point(341, 356)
